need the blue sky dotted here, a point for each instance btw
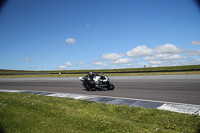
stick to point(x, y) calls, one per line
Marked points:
point(98, 34)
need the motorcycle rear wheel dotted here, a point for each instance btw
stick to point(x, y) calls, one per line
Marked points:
point(90, 88)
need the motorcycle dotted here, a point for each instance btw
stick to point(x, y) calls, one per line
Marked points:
point(100, 82)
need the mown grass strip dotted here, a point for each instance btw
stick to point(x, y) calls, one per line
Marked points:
point(21, 112)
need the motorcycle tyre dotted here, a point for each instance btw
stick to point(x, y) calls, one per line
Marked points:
point(111, 87)
point(93, 89)
point(87, 88)
point(90, 89)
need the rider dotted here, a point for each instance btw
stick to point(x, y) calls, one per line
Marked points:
point(91, 75)
point(89, 79)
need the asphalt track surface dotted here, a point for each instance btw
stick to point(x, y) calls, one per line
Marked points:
point(179, 89)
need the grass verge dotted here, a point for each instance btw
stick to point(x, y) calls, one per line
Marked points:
point(21, 112)
point(108, 74)
point(156, 69)
point(172, 70)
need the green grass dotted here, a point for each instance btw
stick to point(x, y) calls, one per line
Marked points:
point(136, 72)
point(190, 67)
point(34, 113)
point(108, 74)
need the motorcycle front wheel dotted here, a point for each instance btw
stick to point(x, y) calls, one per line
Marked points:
point(111, 87)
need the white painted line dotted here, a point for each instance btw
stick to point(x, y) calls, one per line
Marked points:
point(81, 97)
point(10, 91)
point(66, 95)
point(198, 113)
point(180, 108)
point(70, 95)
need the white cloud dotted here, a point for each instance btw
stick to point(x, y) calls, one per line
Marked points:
point(149, 58)
point(61, 67)
point(112, 56)
point(142, 64)
point(155, 62)
point(88, 25)
point(26, 59)
point(122, 61)
point(192, 61)
point(140, 51)
point(80, 63)
point(172, 63)
point(195, 43)
point(100, 63)
point(70, 40)
point(154, 65)
point(175, 57)
point(193, 53)
point(167, 48)
point(169, 56)
point(68, 64)
point(161, 56)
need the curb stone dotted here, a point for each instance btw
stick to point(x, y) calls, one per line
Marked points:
point(161, 105)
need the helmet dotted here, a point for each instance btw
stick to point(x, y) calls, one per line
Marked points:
point(91, 73)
